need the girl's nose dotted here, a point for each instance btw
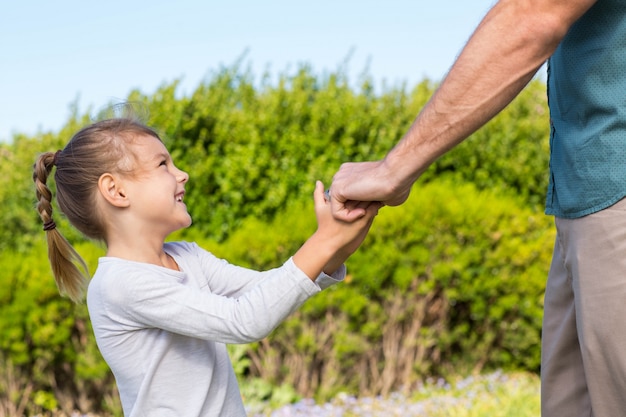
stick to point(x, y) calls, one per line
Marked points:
point(182, 176)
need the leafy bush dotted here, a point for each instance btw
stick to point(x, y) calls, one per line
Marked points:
point(451, 279)
point(47, 344)
point(252, 148)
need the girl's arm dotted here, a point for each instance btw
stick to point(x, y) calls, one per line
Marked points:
point(321, 257)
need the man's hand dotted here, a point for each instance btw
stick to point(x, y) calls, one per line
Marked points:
point(357, 182)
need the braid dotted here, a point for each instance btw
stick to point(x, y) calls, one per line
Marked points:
point(41, 172)
point(70, 279)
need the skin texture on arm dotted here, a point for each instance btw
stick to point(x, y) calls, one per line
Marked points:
point(507, 48)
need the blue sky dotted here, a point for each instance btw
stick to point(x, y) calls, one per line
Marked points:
point(57, 53)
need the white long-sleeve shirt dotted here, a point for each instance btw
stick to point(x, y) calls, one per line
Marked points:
point(163, 332)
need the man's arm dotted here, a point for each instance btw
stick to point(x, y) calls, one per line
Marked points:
point(507, 48)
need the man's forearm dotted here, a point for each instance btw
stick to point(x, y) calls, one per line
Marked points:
point(512, 42)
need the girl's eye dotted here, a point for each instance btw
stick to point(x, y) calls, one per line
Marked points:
point(163, 163)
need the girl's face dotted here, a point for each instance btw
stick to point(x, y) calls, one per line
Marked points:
point(157, 188)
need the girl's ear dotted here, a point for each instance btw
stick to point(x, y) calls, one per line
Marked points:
point(111, 188)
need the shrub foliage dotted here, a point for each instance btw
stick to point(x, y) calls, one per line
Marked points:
point(449, 282)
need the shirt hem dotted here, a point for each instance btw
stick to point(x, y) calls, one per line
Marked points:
point(582, 213)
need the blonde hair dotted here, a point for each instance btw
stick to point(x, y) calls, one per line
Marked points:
point(92, 151)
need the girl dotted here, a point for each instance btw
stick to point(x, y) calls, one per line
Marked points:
point(162, 312)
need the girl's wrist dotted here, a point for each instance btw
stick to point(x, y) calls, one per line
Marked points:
point(314, 255)
point(334, 264)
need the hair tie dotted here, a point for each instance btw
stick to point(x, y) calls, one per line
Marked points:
point(56, 157)
point(49, 225)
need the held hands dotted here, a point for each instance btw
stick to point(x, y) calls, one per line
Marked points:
point(358, 182)
point(334, 240)
point(346, 236)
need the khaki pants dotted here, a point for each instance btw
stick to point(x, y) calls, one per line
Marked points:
point(583, 360)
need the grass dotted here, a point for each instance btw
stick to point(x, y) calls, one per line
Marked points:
point(492, 395)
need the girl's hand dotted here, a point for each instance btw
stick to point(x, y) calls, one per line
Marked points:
point(343, 236)
point(334, 240)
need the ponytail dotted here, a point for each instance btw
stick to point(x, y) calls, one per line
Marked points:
point(64, 260)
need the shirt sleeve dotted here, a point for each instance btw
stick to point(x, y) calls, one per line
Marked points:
point(231, 280)
point(258, 303)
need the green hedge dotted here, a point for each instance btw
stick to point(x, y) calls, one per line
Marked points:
point(48, 353)
point(451, 281)
point(251, 148)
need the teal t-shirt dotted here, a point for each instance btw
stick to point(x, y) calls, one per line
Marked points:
point(587, 99)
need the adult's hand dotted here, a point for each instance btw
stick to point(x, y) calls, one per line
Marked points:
point(357, 182)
